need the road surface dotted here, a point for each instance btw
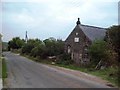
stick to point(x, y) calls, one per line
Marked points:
point(25, 73)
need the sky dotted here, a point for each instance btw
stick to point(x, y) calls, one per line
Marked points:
point(53, 18)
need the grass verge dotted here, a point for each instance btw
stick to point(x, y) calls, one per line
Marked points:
point(4, 70)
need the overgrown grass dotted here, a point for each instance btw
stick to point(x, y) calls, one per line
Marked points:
point(4, 69)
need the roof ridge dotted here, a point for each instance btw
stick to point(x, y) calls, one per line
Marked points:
point(93, 26)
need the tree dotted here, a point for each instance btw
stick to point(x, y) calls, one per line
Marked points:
point(15, 43)
point(113, 38)
point(50, 46)
point(97, 51)
point(27, 48)
point(54, 47)
point(31, 43)
point(100, 51)
point(39, 51)
point(59, 47)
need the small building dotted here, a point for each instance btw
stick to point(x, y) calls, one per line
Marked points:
point(80, 39)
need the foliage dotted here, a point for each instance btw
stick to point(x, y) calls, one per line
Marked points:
point(43, 49)
point(114, 35)
point(40, 51)
point(97, 51)
point(113, 38)
point(36, 47)
point(4, 69)
point(31, 43)
point(100, 50)
point(15, 43)
point(54, 47)
point(64, 59)
point(27, 48)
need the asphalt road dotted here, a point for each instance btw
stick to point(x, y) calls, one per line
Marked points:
point(25, 73)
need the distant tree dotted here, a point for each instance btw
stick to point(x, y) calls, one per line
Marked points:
point(39, 51)
point(54, 47)
point(27, 48)
point(59, 47)
point(43, 49)
point(15, 43)
point(50, 46)
point(35, 42)
point(31, 43)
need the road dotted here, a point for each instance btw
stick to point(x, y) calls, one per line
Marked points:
point(25, 73)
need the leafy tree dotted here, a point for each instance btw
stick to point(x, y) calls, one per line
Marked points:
point(35, 42)
point(15, 43)
point(27, 48)
point(43, 49)
point(40, 51)
point(50, 46)
point(31, 43)
point(100, 50)
point(113, 38)
point(59, 47)
point(54, 47)
point(97, 51)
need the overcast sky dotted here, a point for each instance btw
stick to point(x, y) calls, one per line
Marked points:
point(54, 18)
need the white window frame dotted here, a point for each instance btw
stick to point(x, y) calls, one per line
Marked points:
point(76, 39)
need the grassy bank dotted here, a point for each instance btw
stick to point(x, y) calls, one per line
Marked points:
point(4, 69)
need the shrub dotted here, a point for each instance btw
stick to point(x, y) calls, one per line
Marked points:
point(64, 59)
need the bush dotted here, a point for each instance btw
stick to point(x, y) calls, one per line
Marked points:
point(39, 51)
point(64, 59)
point(100, 51)
point(27, 48)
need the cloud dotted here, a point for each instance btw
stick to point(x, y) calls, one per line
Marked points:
point(23, 18)
point(44, 1)
point(57, 18)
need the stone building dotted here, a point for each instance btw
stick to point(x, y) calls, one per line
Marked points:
point(80, 38)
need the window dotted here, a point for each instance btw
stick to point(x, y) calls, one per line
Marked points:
point(76, 39)
point(86, 49)
point(69, 49)
point(80, 56)
point(76, 33)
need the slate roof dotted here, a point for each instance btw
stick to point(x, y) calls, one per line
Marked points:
point(92, 32)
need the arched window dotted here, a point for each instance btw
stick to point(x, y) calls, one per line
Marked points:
point(69, 49)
